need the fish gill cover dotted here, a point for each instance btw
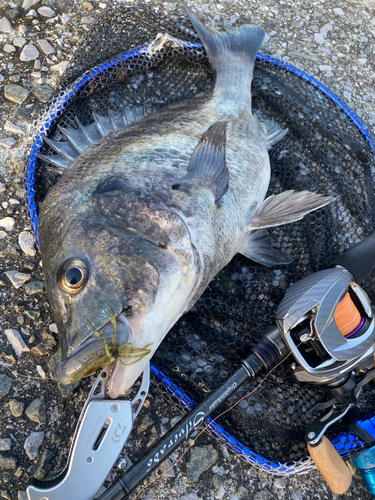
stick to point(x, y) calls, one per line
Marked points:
point(327, 150)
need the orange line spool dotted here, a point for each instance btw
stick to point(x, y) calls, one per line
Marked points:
point(347, 317)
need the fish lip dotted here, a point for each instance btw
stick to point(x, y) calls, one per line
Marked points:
point(69, 369)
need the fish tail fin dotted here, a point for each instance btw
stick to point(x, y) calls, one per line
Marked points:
point(243, 42)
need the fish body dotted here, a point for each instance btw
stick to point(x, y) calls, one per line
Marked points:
point(142, 220)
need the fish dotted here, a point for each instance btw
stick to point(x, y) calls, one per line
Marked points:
point(148, 211)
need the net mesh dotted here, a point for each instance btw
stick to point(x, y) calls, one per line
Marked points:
point(322, 152)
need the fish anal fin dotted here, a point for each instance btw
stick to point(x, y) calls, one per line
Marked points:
point(258, 247)
point(286, 207)
point(207, 165)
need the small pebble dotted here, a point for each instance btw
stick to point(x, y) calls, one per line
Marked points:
point(33, 315)
point(61, 67)
point(201, 459)
point(220, 493)
point(5, 25)
point(5, 385)
point(36, 411)
point(15, 93)
point(19, 41)
point(29, 3)
point(34, 287)
point(5, 444)
point(16, 278)
point(16, 341)
point(26, 241)
point(296, 496)
point(7, 223)
point(16, 407)
point(29, 53)
point(32, 444)
point(279, 483)
point(12, 127)
point(9, 48)
point(53, 328)
point(45, 46)
point(7, 463)
point(7, 143)
point(46, 12)
point(88, 20)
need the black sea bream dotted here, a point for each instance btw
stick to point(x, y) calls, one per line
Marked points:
point(142, 220)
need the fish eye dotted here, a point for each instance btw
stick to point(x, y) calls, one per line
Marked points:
point(72, 276)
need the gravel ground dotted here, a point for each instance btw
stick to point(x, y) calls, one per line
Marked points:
point(332, 40)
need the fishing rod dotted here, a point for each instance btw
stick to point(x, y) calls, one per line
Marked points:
point(324, 320)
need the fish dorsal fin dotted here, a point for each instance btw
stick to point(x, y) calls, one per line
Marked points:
point(207, 165)
point(80, 138)
point(286, 207)
point(258, 247)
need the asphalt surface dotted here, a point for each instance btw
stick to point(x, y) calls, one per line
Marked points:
point(331, 40)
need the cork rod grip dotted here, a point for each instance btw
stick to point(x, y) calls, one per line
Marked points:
point(331, 466)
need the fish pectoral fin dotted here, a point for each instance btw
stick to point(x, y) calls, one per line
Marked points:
point(258, 247)
point(286, 207)
point(207, 165)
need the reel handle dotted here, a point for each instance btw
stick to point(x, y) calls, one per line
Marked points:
point(359, 260)
point(331, 466)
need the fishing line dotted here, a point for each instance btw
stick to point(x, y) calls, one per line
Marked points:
point(205, 426)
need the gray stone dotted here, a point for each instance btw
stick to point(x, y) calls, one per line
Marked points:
point(12, 127)
point(296, 496)
point(61, 67)
point(189, 496)
point(16, 278)
point(5, 25)
point(279, 483)
point(19, 41)
point(7, 143)
point(46, 12)
point(43, 93)
point(5, 385)
point(3, 235)
point(36, 411)
point(7, 463)
point(201, 459)
point(88, 20)
point(16, 407)
point(145, 423)
point(15, 93)
point(29, 3)
point(33, 315)
point(32, 444)
point(31, 13)
point(7, 223)
point(46, 464)
point(29, 53)
point(34, 287)
point(9, 48)
point(220, 493)
point(167, 469)
point(26, 241)
point(263, 495)
point(5, 444)
point(45, 46)
point(16, 341)
point(22, 495)
point(338, 11)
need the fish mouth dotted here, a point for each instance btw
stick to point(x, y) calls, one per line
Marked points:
point(110, 345)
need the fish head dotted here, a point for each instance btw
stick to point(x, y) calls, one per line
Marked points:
point(119, 268)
